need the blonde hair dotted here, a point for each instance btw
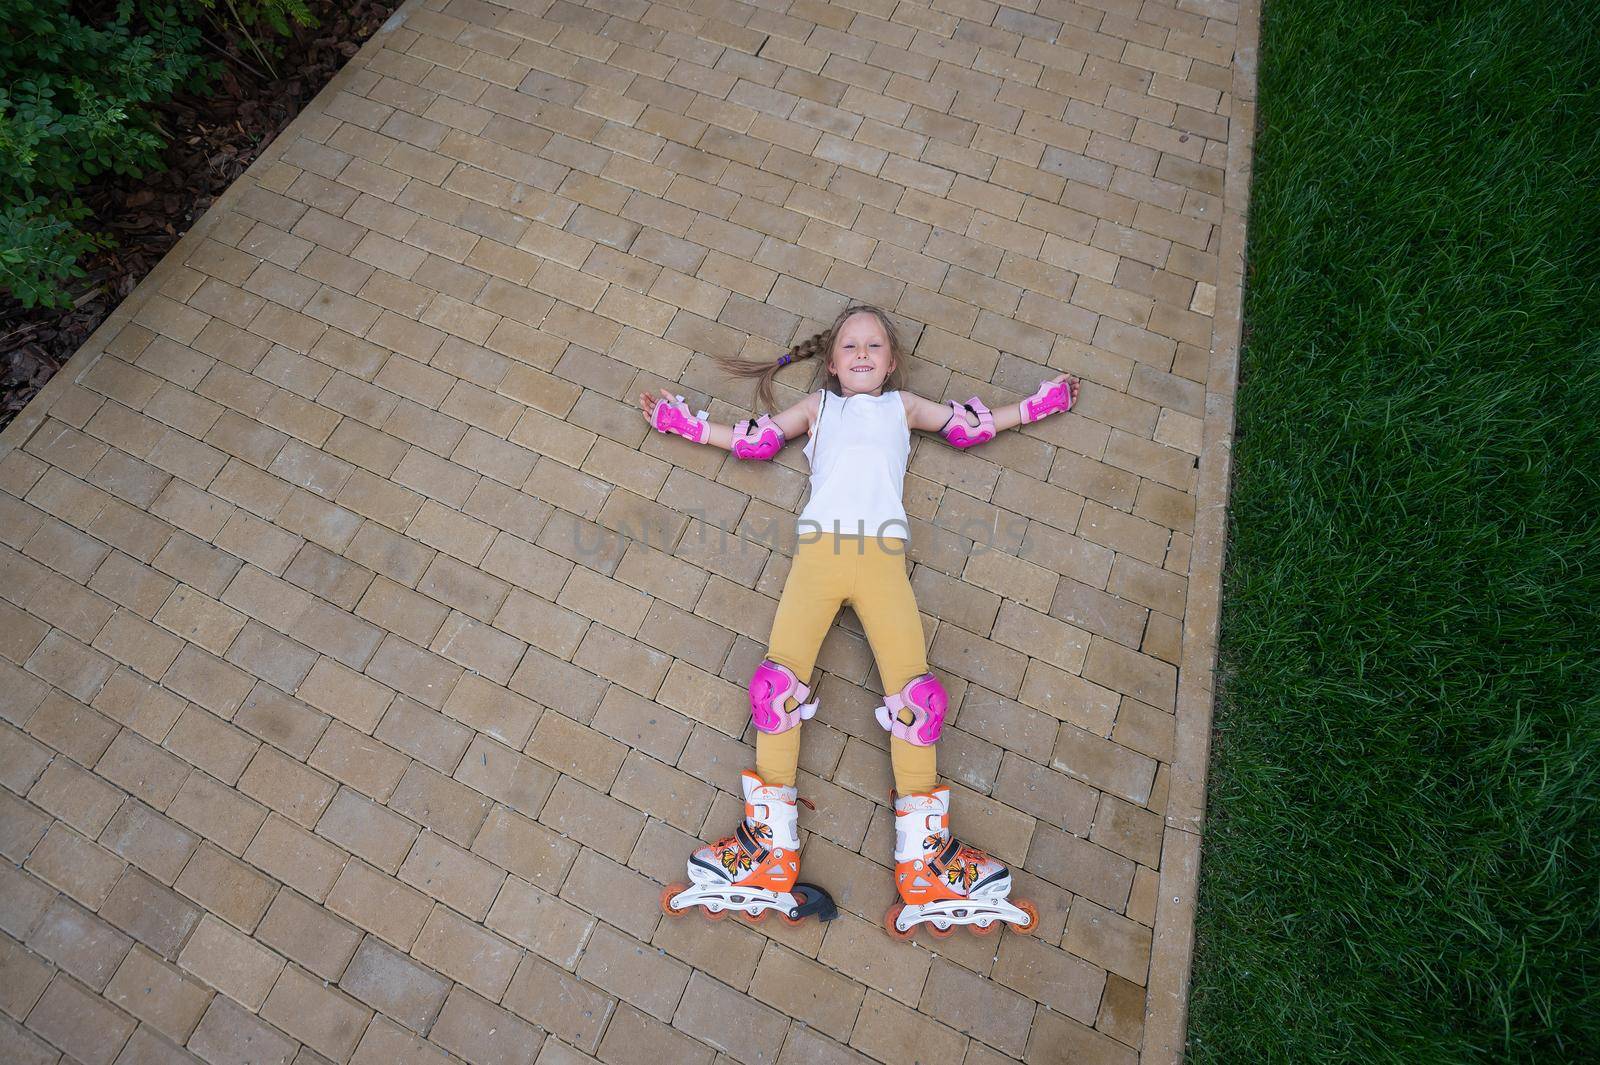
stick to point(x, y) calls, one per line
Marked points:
point(814, 345)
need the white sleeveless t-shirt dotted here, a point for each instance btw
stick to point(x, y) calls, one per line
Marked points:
point(858, 451)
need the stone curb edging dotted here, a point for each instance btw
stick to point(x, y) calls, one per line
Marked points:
point(1172, 951)
point(33, 415)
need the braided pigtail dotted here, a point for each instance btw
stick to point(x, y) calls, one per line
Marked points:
point(764, 372)
point(812, 346)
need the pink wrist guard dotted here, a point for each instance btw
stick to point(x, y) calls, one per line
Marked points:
point(672, 416)
point(1052, 397)
point(958, 433)
point(758, 438)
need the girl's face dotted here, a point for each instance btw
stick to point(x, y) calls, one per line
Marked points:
point(861, 358)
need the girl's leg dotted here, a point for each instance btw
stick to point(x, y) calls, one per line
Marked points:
point(884, 602)
point(811, 598)
point(938, 883)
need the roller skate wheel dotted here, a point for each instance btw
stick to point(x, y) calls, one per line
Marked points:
point(1033, 916)
point(753, 916)
point(889, 922)
point(715, 914)
point(985, 926)
point(667, 895)
point(792, 922)
point(941, 931)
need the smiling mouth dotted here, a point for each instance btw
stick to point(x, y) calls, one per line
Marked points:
point(860, 369)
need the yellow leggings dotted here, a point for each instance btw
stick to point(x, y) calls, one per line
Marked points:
point(830, 570)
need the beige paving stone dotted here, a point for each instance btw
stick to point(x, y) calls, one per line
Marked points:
point(211, 809)
point(631, 970)
point(890, 1032)
point(1110, 940)
point(308, 935)
point(593, 819)
point(66, 725)
point(1061, 1039)
point(386, 1043)
point(23, 902)
point(613, 893)
point(207, 742)
point(286, 851)
point(635, 1038)
point(525, 848)
point(455, 877)
point(1104, 764)
point(732, 1022)
point(977, 1006)
point(1052, 976)
point(228, 1032)
point(81, 1023)
point(368, 830)
point(440, 804)
point(159, 995)
point(285, 785)
point(568, 1008)
point(809, 992)
point(394, 985)
point(150, 841)
point(78, 866)
point(74, 795)
point(482, 1032)
point(366, 764)
point(466, 952)
point(378, 903)
point(151, 913)
point(25, 977)
point(727, 950)
point(23, 827)
point(550, 927)
point(319, 1016)
point(79, 943)
point(1122, 1011)
point(232, 962)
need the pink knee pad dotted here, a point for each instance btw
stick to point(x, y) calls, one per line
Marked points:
point(927, 700)
point(771, 688)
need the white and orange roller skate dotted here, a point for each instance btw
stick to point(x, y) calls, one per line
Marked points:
point(756, 869)
point(945, 883)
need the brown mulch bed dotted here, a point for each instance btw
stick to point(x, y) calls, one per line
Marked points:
point(221, 135)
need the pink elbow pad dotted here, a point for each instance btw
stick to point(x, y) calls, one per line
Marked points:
point(958, 433)
point(672, 416)
point(757, 439)
point(1052, 397)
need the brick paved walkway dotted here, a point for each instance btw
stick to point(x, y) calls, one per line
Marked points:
point(367, 666)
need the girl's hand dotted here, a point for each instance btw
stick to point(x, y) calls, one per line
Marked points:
point(647, 403)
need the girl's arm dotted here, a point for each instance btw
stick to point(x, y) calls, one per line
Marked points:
point(1058, 393)
point(756, 438)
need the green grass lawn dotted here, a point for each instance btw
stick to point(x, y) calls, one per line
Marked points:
point(1400, 862)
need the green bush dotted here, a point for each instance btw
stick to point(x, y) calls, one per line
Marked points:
point(79, 93)
point(75, 103)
